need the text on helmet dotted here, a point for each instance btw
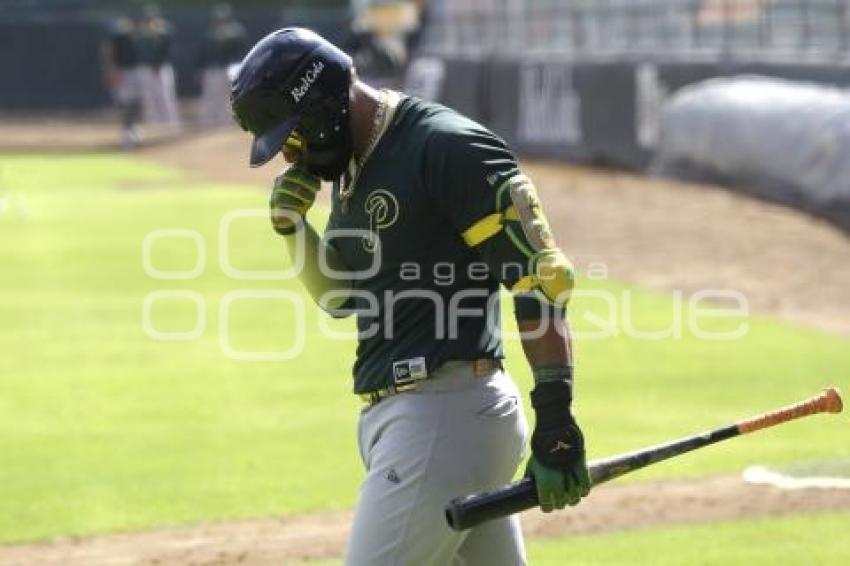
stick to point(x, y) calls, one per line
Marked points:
point(299, 91)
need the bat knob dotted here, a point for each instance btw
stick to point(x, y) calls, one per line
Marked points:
point(832, 400)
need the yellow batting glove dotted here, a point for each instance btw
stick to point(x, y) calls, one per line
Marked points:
point(293, 194)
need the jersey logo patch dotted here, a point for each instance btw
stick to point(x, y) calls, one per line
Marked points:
point(406, 372)
point(382, 209)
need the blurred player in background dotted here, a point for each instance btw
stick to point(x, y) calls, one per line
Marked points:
point(120, 61)
point(379, 39)
point(159, 94)
point(424, 73)
point(415, 35)
point(224, 46)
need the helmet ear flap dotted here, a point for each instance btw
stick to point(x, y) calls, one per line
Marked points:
point(326, 129)
point(326, 110)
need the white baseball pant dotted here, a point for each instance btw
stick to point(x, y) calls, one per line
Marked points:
point(454, 435)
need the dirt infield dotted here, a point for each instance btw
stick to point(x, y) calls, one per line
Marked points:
point(677, 236)
point(318, 536)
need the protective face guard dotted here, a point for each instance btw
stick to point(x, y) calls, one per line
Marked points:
point(325, 137)
point(322, 140)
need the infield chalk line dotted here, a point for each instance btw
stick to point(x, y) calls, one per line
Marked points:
point(764, 476)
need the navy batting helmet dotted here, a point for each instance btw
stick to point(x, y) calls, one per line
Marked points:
point(293, 79)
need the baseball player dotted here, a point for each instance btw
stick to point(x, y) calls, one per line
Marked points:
point(224, 46)
point(159, 95)
point(430, 214)
point(120, 61)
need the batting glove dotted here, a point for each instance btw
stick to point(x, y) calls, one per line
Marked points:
point(558, 463)
point(293, 194)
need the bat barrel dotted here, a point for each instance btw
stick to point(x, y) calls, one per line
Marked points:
point(466, 512)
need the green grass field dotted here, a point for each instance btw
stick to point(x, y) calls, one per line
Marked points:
point(103, 428)
point(812, 540)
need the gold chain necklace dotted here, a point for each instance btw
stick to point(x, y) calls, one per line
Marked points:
point(346, 190)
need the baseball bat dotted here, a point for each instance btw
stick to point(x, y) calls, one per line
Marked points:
point(465, 512)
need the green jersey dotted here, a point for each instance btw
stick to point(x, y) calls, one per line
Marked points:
point(424, 292)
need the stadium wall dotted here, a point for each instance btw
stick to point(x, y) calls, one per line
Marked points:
point(608, 112)
point(52, 63)
point(603, 111)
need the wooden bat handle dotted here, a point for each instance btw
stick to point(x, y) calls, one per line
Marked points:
point(829, 401)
